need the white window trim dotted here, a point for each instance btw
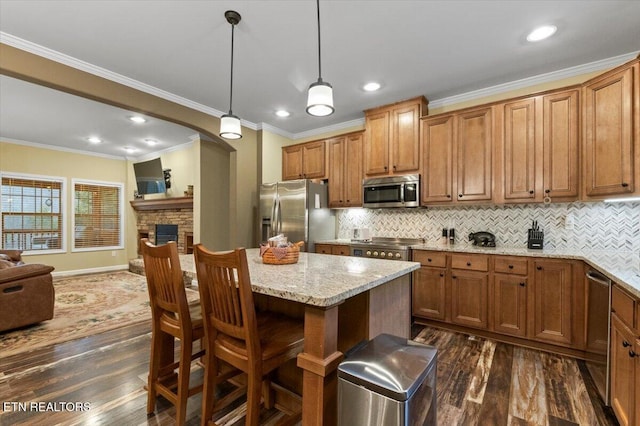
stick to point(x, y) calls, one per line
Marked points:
point(121, 200)
point(63, 208)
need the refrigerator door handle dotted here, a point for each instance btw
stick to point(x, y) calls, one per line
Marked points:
point(279, 218)
point(274, 218)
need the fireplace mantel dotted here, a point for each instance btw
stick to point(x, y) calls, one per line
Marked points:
point(163, 204)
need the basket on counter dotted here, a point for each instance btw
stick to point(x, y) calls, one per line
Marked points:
point(281, 255)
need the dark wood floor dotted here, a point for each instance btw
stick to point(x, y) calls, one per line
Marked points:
point(479, 382)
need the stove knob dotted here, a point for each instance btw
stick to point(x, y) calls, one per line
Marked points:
point(382, 254)
point(389, 255)
point(398, 256)
point(368, 252)
point(375, 254)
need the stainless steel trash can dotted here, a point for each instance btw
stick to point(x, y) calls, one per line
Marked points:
point(388, 381)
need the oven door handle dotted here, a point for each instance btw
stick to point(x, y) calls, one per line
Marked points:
point(598, 278)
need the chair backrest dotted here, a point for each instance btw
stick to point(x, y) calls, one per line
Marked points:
point(225, 295)
point(165, 283)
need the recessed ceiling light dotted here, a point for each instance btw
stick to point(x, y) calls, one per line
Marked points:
point(129, 149)
point(94, 139)
point(151, 142)
point(541, 33)
point(282, 113)
point(371, 87)
point(137, 119)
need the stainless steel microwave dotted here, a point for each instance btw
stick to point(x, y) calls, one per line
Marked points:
point(391, 191)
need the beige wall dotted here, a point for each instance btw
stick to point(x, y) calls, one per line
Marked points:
point(32, 160)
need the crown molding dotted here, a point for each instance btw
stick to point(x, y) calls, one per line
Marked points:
point(60, 148)
point(532, 81)
point(278, 131)
point(331, 128)
point(155, 154)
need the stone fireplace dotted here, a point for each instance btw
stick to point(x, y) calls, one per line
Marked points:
point(166, 211)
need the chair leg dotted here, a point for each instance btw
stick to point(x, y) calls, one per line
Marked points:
point(209, 387)
point(268, 394)
point(184, 372)
point(254, 387)
point(154, 371)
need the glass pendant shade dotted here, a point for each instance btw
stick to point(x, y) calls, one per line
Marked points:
point(320, 99)
point(230, 127)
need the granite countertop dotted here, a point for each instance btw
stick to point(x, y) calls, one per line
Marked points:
point(623, 267)
point(317, 279)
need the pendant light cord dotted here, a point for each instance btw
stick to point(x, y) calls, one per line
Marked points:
point(319, 56)
point(233, 26)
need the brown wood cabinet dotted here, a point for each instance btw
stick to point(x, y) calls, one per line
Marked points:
point(345, 170)
point(304, 161)
point(611, 135)
point(429, 285)
point(625, 357)
point(557, 303)
point(391, 138)
point(469, 290)
point(335, 249)
point(474, 145)
point(509, 289)
point(437, 149)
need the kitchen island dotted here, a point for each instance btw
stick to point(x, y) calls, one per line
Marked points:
point(343, 300)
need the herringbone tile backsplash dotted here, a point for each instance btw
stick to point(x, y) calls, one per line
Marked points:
point(597, 226)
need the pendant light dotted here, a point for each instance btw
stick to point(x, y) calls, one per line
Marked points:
point(230, 124)
point(320, 96)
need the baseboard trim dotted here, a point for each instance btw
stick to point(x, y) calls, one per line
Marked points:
point(90, 271)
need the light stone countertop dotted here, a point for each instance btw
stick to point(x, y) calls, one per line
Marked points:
point(317, 279)
point(623, 267)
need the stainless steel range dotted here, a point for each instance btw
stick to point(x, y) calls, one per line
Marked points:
point(385, 248)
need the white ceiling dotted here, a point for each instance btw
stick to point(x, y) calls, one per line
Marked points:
point(181, 50)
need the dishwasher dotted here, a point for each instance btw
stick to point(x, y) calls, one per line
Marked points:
point(598, 330)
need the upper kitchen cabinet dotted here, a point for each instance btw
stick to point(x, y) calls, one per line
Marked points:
point(474, 145)
point(437, 159)
point(537, 148)
point(304, 161)
point(392, 138)
point(612, 133)
point(345, 170)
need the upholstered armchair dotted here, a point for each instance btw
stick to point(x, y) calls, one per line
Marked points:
point(26, 291)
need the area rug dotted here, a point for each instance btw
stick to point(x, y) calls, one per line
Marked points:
point(86, 305)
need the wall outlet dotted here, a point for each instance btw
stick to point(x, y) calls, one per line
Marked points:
point(113, 253)
point(568, 221)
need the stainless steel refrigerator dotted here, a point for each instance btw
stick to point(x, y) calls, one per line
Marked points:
point(299, 209)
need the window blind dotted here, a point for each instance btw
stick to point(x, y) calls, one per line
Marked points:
point(97, 215)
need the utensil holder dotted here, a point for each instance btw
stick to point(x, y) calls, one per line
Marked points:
point(535, 240)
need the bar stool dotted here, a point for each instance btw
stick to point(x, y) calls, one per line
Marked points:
point(254, 342)
point(172, 318)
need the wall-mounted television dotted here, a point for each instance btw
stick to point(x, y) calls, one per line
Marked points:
point(150, 177)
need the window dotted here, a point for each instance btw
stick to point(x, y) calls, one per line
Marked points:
point(32, 213)
point(97, 215)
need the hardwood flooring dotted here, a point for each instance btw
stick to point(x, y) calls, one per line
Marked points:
point(101, 378)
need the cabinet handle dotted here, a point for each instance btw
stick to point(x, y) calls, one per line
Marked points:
point(429, 260)
point(531, 192)
point(394, 167)
point(468, 263)
point(385, 167)
point(510, 266)
point(348, 201)
point(539, 268)
point(546, 191)
point(454, 277)
point(522, 284)
point(448, 195)
point(632, 354)
point(625, 344)
point(625, 184)
point(441, 274)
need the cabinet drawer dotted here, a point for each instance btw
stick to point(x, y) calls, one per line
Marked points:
point(623, 305)
point(511, 265)
point(430, 258)
point(471, 262)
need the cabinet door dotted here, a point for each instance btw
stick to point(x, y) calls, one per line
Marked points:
point(608, 134)
point(292, 162)
point(509, 304)
point(353, 171)
point(313, 160)
point(405, 139)
point(437, 159)
point(428, 298)
point(474, 144)
point(336, 172)
point(623, 389)
point(553, 302)
point(376, 145)
point(340, 250)
point(324, 248)
point(519, 143)
point(560, 130)
point(469, 298)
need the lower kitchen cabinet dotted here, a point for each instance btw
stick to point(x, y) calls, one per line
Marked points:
point(469, 292)
point(625, 358)
point(557, 303)
point(336, 249)
point(509, 304)
point(429, 293)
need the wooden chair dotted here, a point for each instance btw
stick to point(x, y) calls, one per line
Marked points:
point(172, 318)
point(254, 342)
